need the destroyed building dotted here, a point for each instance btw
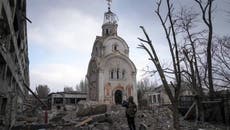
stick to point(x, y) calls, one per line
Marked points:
point(158, 96)
point(111, 74)
point(65, 100)
point(14, 62)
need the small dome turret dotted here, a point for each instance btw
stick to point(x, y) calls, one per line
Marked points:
point(110, 17)
point(109, 27)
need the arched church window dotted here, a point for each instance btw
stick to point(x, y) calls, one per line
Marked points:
point(123, 74)
point(107, 31)
point(118, 73)
point(115, 47)
point(112, 74)
point(96, 49)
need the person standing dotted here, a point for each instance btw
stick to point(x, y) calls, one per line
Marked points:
point(131, 109)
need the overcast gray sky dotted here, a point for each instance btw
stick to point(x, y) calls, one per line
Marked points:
point(62, 34)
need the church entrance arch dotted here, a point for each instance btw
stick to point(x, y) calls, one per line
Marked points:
point(118, 96)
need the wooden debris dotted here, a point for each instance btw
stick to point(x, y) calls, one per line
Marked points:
point(190, 111)
point(84, 122)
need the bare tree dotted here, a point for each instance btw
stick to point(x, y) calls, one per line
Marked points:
point(192, 58)
point(168, 24)
point(221, 69)
point(206, 11)
point(82, 86)
point(42, 91)
point(154, 58)
point(185, 25)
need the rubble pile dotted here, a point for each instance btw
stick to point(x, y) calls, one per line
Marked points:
point(31, 119)
point(31, 115)
point(159, 119)
point(91, 110)
point(191, 125)
point(114, 118)
point(147, 119)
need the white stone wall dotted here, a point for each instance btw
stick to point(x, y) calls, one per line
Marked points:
point(111, 41)
point(117, 62)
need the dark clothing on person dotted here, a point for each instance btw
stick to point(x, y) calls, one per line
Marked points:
point(131, 122)
point(131, 110)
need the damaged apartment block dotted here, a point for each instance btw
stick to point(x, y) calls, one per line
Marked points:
point(14, 62)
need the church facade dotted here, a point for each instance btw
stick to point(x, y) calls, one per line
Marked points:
point(111, 74)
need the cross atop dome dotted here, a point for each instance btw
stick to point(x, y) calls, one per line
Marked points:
point(110, 17)
point(109, 3)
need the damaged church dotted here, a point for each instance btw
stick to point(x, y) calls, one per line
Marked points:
point(111, 74)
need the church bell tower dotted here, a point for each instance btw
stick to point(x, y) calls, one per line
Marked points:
point(109, 27)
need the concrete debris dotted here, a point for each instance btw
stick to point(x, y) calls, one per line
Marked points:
point(91, 110)
point(189, 125)
point(143, 127)
point(58, 119)
point(160, 118)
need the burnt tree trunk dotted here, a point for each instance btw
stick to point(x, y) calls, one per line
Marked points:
point(176, 122)
point(207, 19)
point(154, 58)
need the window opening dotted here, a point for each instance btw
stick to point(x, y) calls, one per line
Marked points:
point(111, 74)
point(118, 72)
point(115, 47)
point(123, 74)
point(3, 106)
point(58, 100)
